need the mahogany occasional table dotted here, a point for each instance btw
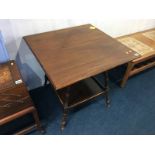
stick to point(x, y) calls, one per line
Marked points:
point(72, 57)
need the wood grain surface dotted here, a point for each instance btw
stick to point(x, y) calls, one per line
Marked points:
point(73, 54)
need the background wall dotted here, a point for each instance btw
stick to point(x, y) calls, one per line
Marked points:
point(13, 30)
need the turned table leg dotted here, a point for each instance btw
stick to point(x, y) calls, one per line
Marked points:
point(64, 119)
point(106, 86)
point(65, 112)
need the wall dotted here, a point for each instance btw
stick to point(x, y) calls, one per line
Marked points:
point(13, 30)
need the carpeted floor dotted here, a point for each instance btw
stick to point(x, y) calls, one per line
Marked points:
point(132, 110)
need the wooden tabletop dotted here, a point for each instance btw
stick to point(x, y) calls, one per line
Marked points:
point(142, 42)
point(73, 54)
point(9, 75)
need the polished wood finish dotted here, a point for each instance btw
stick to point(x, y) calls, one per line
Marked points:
point(72, 57)
point(145, 61)
point(15, 101)
point(8, 75)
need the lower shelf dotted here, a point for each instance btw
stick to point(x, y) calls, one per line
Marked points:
point(80, 92)
point(143, 66)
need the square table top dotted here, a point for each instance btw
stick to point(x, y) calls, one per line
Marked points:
point(73, 54)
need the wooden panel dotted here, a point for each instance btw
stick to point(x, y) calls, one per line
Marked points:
point(74, 54)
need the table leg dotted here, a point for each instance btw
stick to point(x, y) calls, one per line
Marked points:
point(65, 113)
point(106, 85)
point(64, 119)
point(37, 121)
point(127, 73)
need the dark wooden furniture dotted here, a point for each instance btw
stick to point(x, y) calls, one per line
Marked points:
point(144, 44)
point(15, 101)
point(72, 57)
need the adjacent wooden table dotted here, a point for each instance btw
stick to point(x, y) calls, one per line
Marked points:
point(72, 57)
point(15, 101)
point(144, 44)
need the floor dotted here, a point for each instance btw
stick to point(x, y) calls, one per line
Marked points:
point(132, 110)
